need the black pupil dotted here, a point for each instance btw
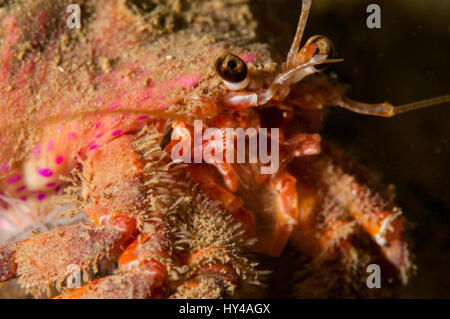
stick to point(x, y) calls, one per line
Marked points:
point(232, 64)
point(231, 68)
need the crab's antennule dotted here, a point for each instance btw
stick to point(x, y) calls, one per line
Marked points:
point(306, 5)
point(422, 104)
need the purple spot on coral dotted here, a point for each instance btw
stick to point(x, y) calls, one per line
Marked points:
point(93, 147)
point(24, 198)
point(50, 146)
point(21, 188)
point(59, 159)
point(98, 124)
point(51, 184)
point(57, 189)
point(45, 172)
point(142, 117)
point(36, 151)
point(98, 135)
point(41, 196)
point(14, 179)
point(115, 133)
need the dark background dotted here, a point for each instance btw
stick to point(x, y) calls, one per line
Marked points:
point(407, 60)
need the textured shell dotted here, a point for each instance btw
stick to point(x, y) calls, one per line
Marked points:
point(125, 56)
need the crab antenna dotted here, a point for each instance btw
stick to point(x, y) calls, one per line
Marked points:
point(386, 109)
point(306, 5)
point(70, 117)
point(422, 104)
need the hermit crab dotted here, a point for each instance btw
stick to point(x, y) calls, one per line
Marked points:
point(91, 120)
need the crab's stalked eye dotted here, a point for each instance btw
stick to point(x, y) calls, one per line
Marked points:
point(233, 71)
point(323, 46)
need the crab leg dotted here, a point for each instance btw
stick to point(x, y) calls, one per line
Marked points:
point(282, 210)
point(319, 238)
point(210, 282)
point(209, 182)
point(47, 257)
point(120, 158)
point(150, 265)
point(381, 221)
point(144, 270)
point(283, 207)
point(286, 213)
point(215, 264)
point(337, 182)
